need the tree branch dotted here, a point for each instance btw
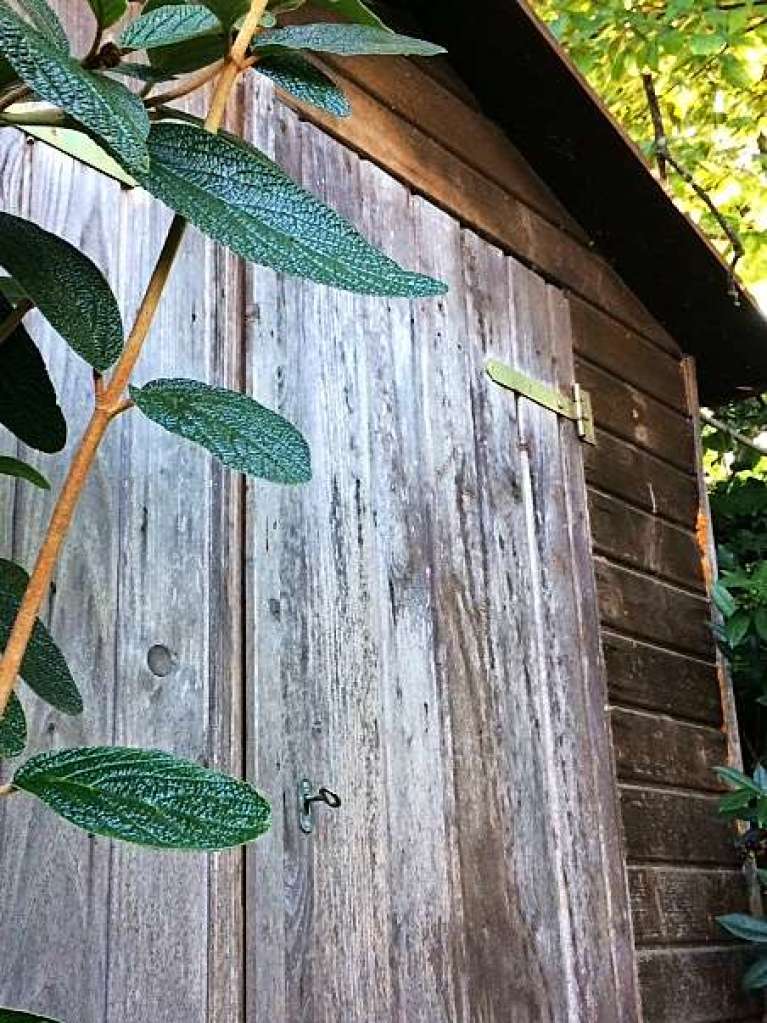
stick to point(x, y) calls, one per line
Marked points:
point(663, 153)
point(11, 322)
point(110, 402)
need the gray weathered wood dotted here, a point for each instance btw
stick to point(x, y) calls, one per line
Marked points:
point(396, 656)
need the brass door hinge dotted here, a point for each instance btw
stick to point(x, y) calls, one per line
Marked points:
point(578, 408)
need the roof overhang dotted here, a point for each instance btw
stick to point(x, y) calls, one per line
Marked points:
point(527, 85)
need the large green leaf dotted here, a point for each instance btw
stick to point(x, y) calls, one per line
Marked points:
point(305, 81)
point(238, 196)
point(39, 14)
point(241, 433)
point(13, 734)
point(353, 10)
point(68, 289)
point(147, 797)
point(108, 12)
point(22, 471)
point(15, 1016)
point(749, 928)
point(28, 405)
point(182, 58)
point(43, 669)
point(346, 40)
point(100, 104)
point(164, 26)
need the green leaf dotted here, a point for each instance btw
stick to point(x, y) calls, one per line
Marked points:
point(146, 797)
point(353, 10)
point(68, 289)
point(20, 470)
point(13, 734)
point(12, 290)
point(736, 627)
point(28, 405)
point(228, 11)
point(43, 669)
point(737, 778)
point(39, 14)
point(305, 81)
point(754, 978)
point(735, 801)
point(108, 12)
point(749, 928)
point(14, 1016)
point(723, 599)
point(241, 433)
point(100, 104)
point(182, 58)
point(760, 623)
point(238, 196)
point(167, 25)
point(346, 41)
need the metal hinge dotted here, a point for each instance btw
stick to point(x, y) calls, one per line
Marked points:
point(578, 408)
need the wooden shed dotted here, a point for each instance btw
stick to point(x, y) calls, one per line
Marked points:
point(488, 635)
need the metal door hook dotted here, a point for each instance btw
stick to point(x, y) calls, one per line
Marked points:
point(306, 800)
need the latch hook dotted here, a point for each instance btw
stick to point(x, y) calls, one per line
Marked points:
point(306, 801)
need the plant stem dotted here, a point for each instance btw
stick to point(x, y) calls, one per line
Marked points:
point(190, 84)
point(11, 322)
point(110, 400)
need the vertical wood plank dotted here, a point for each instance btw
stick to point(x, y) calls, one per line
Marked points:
point(55, 898)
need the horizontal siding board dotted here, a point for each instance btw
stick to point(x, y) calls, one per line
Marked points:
point(622, 352)
point(695, 986)
point(648, 608)
point(638, 418)
point(646, 676)
point(636, 476)
point(675, 827)
point(680, 906)
point(644, 541)
point(658, 750)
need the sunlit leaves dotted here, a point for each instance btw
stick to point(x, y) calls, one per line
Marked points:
point(146, 797)
point(241, 433)
point(238, 196)
point(100, 104)
point(67, 288)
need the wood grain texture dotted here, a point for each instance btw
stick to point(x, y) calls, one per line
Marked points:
point(391, 628)
point(645, 542)
point(672, 905)
point(641, 675)
point(653, 610)
point(675, 827)
point(427, 167)
point(105, 931)
point(626, 471)
point(635, 416)
point(695, 986)
point(654, 749)
point(615, 348)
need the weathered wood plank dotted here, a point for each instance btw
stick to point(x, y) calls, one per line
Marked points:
point(647, 676)
point(675, 827)
point(628, 472)
point(653, 610)
point(621, 351)
point(680, 906)
point(55, 898)
point(645, 542)
point(658, 750)
point(409, 154)
point(636, 417)
point(695, 986)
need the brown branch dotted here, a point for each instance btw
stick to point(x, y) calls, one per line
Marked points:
point(111, 401)
point(190, 84)
point(663, 152)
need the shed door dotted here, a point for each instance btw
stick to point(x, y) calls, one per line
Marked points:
point(422, 639)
